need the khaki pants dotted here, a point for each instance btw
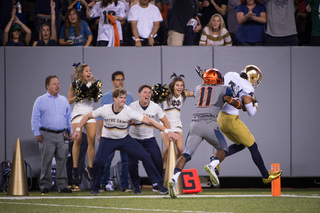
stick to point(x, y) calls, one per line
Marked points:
point(175, 38)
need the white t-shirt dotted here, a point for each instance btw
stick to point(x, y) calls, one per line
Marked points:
point(240, 87)
point(145, 18)
point(140, 130)
point(115, 125)
point(105, 29)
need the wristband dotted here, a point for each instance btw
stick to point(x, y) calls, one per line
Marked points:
point(166, 131)
point(230, 101)
point(138, 39)
point(151, 35)
point(78, 129)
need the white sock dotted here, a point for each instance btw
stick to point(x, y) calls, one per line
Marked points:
point(176, 176)
point(214, 163)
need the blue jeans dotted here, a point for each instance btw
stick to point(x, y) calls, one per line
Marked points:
point(124, 177)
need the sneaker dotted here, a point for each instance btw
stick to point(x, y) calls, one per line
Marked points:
point(75, 176)
point(160, 189)
point(137, 190)
point(109, 186)
point(271, 177)
point(89, 172)
point(217, 169)
point(172, 188)
point(213, 176)
point(94, 192)
point(126, 189)
point(44, 190)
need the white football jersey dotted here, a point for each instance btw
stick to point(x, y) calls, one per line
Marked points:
point(173, 111)
point(239, 87)
point(115, 125)
point(140, 130)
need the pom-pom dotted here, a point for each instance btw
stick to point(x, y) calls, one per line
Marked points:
point(82, 91)
point(159, 93)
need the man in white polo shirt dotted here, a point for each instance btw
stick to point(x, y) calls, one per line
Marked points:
point(145, 21)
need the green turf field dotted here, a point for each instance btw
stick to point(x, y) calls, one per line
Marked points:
point(209, 200)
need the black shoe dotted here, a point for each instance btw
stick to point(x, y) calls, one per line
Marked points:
point(160, 189)
point(75, 176)
point(137, 190)
point(66, 190)
point(44, 190)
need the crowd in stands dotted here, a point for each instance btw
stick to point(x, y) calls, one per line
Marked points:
point(159, 22)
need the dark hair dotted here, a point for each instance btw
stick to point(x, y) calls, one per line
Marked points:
point(171, 89)
point(113, 76)
point(118, 91)
point(105, 3)
point(68, 25)
point(144, 86)
point(245, 1)
point(47, 81)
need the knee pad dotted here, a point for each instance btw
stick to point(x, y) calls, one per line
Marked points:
point(187, 156)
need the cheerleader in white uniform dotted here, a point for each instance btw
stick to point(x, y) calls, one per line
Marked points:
point(172, 107)
point(83, 91)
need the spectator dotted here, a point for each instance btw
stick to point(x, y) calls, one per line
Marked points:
point(75, 32)
point(43, 15)
point(80, 5)
point(51, 124)
point(5, 15)
point(163, 30)
point(209, 7)
point(251, 15)
point(314, 8)
point(12, 32)
point(215, 33)
point(109, 31)
point(48, 34)
point(145, 21)
point(301, 19)
point(232, 21)
point(182, 13)
point(281, 27)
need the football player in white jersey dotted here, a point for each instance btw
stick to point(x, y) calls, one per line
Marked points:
point(172, 109)
point(243, 86)
point(115, 136)
point(209, 99)
point(143, 133)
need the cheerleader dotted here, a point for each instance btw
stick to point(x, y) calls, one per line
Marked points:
point(83, 91)
point(172, 107)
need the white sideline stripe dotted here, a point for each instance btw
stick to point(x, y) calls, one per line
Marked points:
point(113, 208)
point(149, 196)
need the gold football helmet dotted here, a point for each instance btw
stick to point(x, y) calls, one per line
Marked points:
point(254, 75)
point(212, 76)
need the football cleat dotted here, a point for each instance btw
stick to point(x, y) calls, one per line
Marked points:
point(213, 176)
point(160, 189)
point(172, 188)
point(272, 176)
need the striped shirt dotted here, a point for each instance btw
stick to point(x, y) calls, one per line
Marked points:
point(215, 40)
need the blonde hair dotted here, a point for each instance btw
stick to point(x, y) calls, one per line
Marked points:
point(77, 71)
point(222, 24)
